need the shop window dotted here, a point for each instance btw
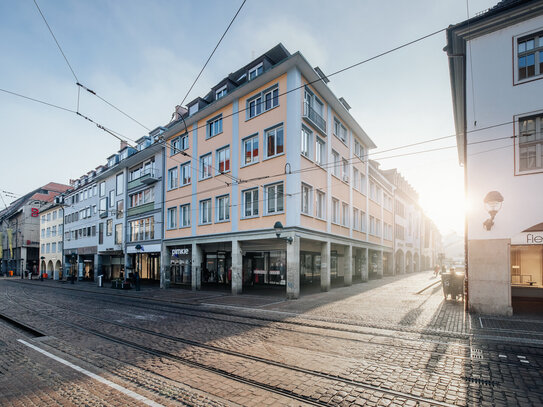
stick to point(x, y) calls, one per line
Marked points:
point(527, 266)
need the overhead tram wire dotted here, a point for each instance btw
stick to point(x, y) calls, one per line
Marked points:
point(213, 52)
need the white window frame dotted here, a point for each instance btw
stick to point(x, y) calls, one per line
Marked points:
point(119, 183)
point(279, 198)
point(537, 51)
point(320, 151)
point(535, 143)
point(206, 169)
point(184, 215)
point(224, 151)
point(222, 208)
point(221, 92)
point(256, 70)
point(185, 175)
point(305, 138)
point(172, 218)
point(214, 127)
point(253, 211)
point(336, 163)
point(335, 211)
point(273, 132)
point(250, 140)
point(206, 215)
point(306, 199)
point(345, 214)
point(173, 182)
point(320, 204)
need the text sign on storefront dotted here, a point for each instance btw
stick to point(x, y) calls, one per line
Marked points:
point(528, 238)
point(180, 252)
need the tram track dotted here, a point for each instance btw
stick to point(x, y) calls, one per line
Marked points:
point(454, 349)
point(254, 358)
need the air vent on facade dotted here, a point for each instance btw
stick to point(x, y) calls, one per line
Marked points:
point(344, 103)
point(321, 74)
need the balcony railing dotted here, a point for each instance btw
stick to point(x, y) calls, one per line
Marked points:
point(147, 177)
point(316, 118)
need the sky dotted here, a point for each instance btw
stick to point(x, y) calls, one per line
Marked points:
point(142, 56)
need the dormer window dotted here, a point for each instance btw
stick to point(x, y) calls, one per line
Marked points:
point(257, 70)
point(193, 109)
point(219, 93)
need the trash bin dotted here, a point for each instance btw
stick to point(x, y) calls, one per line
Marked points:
point(100, 281)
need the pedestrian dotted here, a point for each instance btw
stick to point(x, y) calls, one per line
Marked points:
point(436, 270)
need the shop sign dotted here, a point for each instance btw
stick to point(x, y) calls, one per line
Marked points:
point(528, 238)
point(180, 252)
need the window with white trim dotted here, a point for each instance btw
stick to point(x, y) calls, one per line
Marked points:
point(250, 150)
point(363, 221)
point(223, 160)
point(372, 225)
point(205, 166)
point(142, 197)
point(378, 226)
point(172, 178)
point(320, 151)
point(172, 217)
point(184, 216)
point(205, 211)
point(356, 179)
point(335, 211)
point(250, 203)
point(345, 170)
point(185, 171)
point(222, 208)
point(255, 71)
point(305, 142)
point(530, 144)
point(221, 92)
point(345, 214)
point(320, 205)
point(119, 183)
point(359, 150)
point(274, 198)
point(274, 141)
point(336, 168)
point(214, 127)
point(356, 220)
point(340, 130)
point(306, 199)
point(530, 56)
point(175, 146)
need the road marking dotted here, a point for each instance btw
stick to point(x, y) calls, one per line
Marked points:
point(481, 322)
point(109, 383)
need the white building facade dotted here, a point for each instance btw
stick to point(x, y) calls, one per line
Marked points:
point(51, 238)
point(496, 67)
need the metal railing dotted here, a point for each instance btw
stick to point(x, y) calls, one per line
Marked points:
point(316, 118)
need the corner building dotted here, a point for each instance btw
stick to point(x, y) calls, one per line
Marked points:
point(270, 143)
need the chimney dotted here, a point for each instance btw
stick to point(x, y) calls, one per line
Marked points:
point(179, 111)
point(124, 144)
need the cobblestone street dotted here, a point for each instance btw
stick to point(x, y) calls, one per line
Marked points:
point(388, 342)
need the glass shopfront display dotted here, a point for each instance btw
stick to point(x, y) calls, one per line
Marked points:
point(217, 268)
point(527, 266)
point(180, 265)
point(265, 268)
point(310, 268)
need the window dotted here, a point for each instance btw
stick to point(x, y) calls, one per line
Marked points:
point(372, 191)
point(223, 160)
point(48, 217)
point(205, 166)
point(363, 221)
point(172, 178)
point(184, 216)
point(109, 227)
point(43, 220)
point(274, 141)
point(111, 198)
point(54, 247)
point(356, 179)
point(274, 198)
point(359, 150)
point(205, 211)
point(102, 189)
point(378, 225)
point(306, 141)
point(43, 233)
point(262, 102)
point(120, 209)
point(119, 185)
point(250, 202)
point(250, 150)
point(53, 231)
point(306, 199)
point(48, 248)
point(345, 170)
point(142, 229)
point(379, 195)
point(257, 70)
point(221, 92)
point(184, 170)
point(530, 143)
point(320, 151)
point(335, 210)
point(356, 220)
point(43, 247)
point(119, 233)
point(102, 206)
point(172, 217)
point(314, 109)
point(59, 247)
point(372, 225)
point(530, 56)
point(214, 127)
point(222, 207)
point(54, 215)
point(48, 234)
point(340, 131)
point(321, 205)
point(336, 168)
point(345, 214)
point(175, 146)
point(184, 142)
point(94, 190)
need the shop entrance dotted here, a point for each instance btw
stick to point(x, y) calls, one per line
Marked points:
point(310, 268)
point(217, 269)
point(261, 268)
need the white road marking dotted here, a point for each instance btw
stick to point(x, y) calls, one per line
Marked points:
point(109, 383)
point(481, 322)
point(503, 356)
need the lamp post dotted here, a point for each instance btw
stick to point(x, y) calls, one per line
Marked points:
point(279, 229)
point(73, 268)
point(41, 270)
point(493, 203)
point(139, 248)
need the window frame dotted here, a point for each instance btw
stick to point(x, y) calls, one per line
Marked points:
point(537, 51)
point(274, 130)
point(256, 69)
point(218, 201)
point(251, 191)
point(306, 140)
point(209, 212)
point(275, 186)
point(169, 183)
point(182, 168)
point(256, 104)
point(319, 215)
point(252, 138)
point(221, 92)
point(227, 159)
point(307, 199)
point(201, 167)
point(537, 143)
point(210, 132)
point(169, 218)
point(184, 223)
point(320, 151)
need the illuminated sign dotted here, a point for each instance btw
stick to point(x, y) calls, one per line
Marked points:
point(34, 212)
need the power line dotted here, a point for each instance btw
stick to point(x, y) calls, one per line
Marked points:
point(213, 52)
point(38, 101)
point(58, 45)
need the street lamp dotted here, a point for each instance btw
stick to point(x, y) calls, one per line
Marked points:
point(279, 229)
point(493, 203)
point(139, 248)
point(41, 270)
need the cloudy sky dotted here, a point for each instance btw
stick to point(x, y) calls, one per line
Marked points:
point(142, 56)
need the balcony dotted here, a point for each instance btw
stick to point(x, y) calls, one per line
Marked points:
point(315, 118)
point(140, 209)
point(148, 177)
